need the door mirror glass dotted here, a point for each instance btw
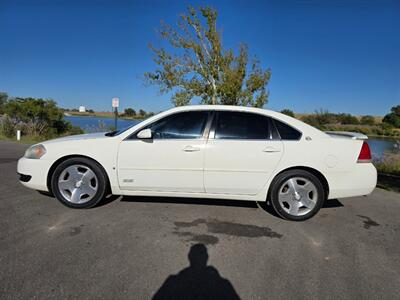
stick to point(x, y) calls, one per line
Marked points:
point(145, 134)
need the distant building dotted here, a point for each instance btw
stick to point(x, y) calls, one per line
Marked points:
point(82, 109)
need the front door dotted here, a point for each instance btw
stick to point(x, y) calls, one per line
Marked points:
point(171, 161)
point(240, 154)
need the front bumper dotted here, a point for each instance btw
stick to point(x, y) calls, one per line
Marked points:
point(24, 177)
point(33, 173)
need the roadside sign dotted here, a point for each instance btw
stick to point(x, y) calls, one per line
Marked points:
point(115, 102)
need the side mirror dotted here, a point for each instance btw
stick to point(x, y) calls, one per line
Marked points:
point(145, 134)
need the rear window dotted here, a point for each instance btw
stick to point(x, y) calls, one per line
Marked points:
point(287, 132)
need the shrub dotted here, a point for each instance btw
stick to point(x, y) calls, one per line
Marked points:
point(389, 164)
point(36, 118)
point(367, 120)
point(319, 118)
point(347, 119)
point(34, 128)
point(8, 126)
point(287, 112)
point(3, 101)
point(39, 115)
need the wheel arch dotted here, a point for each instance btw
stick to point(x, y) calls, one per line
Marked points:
point(64, 158)
point(313, 171)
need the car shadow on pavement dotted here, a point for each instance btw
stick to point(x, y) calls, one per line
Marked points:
point(195, 201)
point(198, 281)
point(332, 203)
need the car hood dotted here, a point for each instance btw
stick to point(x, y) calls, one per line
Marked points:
point(79, 137)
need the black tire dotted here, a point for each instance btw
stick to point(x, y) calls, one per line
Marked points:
point(102, 182)
point(278, 183)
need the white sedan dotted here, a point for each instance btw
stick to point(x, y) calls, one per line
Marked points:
point(223, 152)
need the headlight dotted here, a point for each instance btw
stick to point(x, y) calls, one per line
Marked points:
point(35, 151)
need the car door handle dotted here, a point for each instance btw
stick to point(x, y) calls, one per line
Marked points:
point(271, 150)
point(191, 149)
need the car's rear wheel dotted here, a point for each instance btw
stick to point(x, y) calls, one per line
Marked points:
point(297, 195)
point(79, 183)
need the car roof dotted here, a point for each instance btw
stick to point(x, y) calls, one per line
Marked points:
point(220, 107)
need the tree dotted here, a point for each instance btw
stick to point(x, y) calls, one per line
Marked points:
point(347, 119)
point(129, 112)
point(288, 112)
point(319, 118)
point(149, 114)
point(393, 118)
point(37, 112)
point(3, 101)
point(367, 120)
point(202, 68)
point(142, 113)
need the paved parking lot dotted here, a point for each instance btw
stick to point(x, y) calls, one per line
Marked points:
point(138, 247)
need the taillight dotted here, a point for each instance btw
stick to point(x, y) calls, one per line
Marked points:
point(365, 154)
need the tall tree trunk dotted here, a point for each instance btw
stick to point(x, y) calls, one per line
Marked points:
point(214, 92)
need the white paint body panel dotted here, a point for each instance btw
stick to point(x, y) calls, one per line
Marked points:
point(226, 169)
point(161, 165)
point(238, 166)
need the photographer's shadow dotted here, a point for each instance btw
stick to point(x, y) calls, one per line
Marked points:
point(198, 281)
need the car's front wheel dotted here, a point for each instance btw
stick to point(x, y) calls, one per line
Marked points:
point(297, 195)
point(79, 183)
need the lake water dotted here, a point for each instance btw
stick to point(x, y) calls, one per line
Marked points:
point(91, 124)
point(378, 146)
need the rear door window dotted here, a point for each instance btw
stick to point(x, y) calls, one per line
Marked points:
point(241, 125)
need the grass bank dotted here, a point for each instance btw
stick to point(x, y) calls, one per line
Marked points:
point(369, 130)
point(29, 140)
point(389, 169)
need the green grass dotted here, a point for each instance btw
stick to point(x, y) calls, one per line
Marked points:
point(389, 164)
point(369, 130)
point(389, 170)
point(24, 139)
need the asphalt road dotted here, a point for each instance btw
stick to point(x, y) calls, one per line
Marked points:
point(129, 247)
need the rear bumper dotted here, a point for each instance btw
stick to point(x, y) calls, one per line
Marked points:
point(359, 181)
point(33, 173)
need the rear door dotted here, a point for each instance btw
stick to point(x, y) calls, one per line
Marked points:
point(241, 153)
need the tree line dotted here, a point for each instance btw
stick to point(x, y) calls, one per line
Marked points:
point(35, 117)
point(325, 120)
point(324, 117)
point(140, 114)
point(127, 113)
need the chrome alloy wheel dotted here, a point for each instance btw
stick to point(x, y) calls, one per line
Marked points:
point(78, 184)
point(297, 196)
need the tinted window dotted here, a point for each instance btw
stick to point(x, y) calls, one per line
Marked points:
point(185, 125)
point(237, 125)
point(287, 132)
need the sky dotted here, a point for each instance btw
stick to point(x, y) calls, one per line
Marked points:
point(343, 56)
